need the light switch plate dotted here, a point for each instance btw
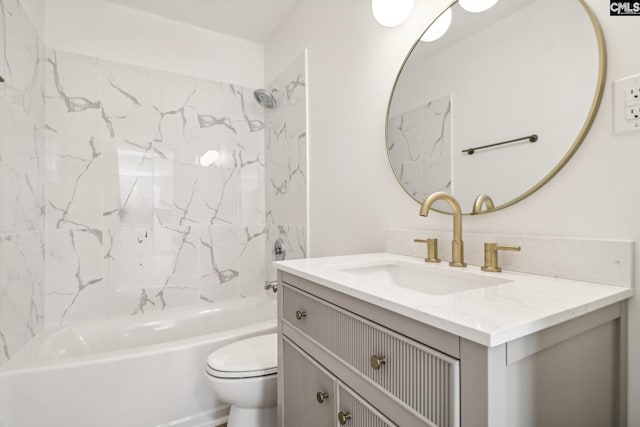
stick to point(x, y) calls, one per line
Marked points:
point(626, 105)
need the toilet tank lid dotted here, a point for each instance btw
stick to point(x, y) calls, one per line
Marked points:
point(248, 355)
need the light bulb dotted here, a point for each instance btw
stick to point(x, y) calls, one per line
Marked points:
point(391, 13)
point(209, 158)
point(477, 5)
point(439, 27)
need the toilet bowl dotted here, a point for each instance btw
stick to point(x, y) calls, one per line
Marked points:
point(244, 375)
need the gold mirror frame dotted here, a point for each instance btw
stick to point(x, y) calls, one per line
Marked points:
point(593, 111)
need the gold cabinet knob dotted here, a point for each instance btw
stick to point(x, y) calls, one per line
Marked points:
point(377, 361)
point(321, 396)
point(343, 417)
point(300, 314)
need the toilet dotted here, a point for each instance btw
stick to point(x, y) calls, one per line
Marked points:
point(244, 375)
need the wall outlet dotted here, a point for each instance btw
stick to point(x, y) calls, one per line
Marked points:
point(626, 105)
point(632, 94)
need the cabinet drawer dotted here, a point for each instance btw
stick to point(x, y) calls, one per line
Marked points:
point(422, 378)
point(309, 392)
point(354, 412)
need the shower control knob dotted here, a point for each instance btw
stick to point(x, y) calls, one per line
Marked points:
point(321, 396)
point(343, 417)
point(377, 361)
point(300, 315)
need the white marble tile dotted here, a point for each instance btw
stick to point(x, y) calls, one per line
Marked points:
point(286, 180)
point(218, 188)
point(219, 263)
point(127, 182)
point(286, 148)
point(10, 122)
point(123, 302)
point(14, 327)
point(21, 46)
point(23, 85)
point(177, 259)
point(74, 288)
point(176, 197)
point(217, 101)
point(31, 198)
point(219, 183)
point(74, 182)
point(293, 239)
point(131, 259)
point(172, 96)
point(150, 268)
point(253, 250)
point(21, 209)
point(252, 176)
point(21, 179)
point(127, 102)
point(72, 94)
point(253, 114)
point(135, 222)
point(420, 148)
point(21, 182)
point(21, 290)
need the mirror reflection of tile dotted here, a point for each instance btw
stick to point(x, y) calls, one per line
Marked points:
point(420, 147)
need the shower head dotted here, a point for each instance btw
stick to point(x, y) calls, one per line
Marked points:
point(266, 98)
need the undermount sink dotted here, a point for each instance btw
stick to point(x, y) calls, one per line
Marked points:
point(422, 278)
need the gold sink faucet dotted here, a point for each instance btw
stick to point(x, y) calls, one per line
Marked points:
point(457, 245)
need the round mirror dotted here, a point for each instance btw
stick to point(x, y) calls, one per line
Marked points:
point(498, 104)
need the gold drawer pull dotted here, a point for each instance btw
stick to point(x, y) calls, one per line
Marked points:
point(321, 396)
point(377, 361)
point(343, 417)
point(300, 314)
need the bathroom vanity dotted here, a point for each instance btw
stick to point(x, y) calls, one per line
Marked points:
point(361, 344)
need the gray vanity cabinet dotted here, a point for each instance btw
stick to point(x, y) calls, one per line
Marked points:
point(379, 368)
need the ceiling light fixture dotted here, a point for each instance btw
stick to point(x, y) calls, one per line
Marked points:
point(439, 27)
point(391, 13)
point(477, 5)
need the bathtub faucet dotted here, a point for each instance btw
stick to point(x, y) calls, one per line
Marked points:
point(273, 285)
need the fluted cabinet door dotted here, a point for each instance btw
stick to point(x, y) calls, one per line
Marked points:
point(309, 391)
point(355, 412)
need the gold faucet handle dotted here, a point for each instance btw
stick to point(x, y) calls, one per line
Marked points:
point(432, 249)
point(491, 256)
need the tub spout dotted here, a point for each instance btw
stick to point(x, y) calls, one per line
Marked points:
point(457, 245)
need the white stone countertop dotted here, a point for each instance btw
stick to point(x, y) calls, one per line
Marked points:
point(489, 316)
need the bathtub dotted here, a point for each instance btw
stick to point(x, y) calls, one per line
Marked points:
point(128, 372)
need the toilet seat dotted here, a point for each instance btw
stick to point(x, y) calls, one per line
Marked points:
point(247, 358)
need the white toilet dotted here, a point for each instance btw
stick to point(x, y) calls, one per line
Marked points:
point(244, 374)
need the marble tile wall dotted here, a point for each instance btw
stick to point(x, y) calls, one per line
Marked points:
point(286, 165)
point(22, 176)
point(420, 147)
point(155, 190)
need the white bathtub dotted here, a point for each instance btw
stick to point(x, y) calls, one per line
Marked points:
point(128, 372)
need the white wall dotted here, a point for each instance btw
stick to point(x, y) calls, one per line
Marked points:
point(111, 31)
point(354, 197)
